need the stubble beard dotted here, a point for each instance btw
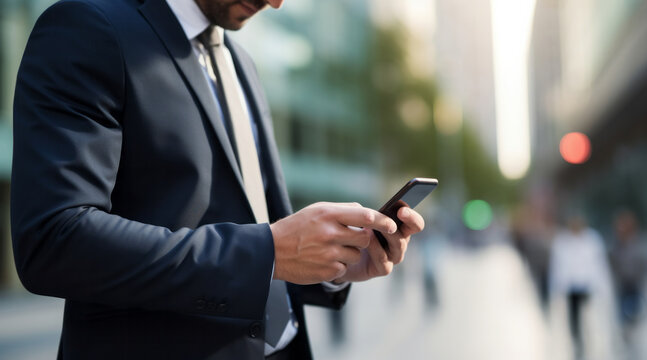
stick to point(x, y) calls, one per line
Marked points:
point(219, 12)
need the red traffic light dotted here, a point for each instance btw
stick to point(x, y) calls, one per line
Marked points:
point(575, 148)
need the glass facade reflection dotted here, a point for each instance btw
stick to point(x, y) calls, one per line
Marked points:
point(311, 55)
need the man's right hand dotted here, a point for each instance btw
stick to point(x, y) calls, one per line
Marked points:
point(316, 244)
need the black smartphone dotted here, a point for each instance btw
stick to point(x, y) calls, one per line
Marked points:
point(411, 194)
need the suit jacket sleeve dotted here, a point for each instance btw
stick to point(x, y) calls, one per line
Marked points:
point(67, 146)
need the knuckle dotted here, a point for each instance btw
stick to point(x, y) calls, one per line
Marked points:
point(385, 270)
point(326, 233)
point(323, 211)
point(369, 216)
point(333, 254)
point(341, 269)
point(335, 270)
point(329, 234)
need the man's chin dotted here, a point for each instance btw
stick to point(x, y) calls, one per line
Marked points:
point(234, 24)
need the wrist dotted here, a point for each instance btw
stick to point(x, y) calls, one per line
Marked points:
point(275, 235)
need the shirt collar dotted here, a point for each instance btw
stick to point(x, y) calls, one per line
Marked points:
point(191, 18)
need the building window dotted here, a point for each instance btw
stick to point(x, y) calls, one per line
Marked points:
point(3, 64)
point(296, 131)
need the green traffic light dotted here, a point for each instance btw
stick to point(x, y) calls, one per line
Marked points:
point(477, 214)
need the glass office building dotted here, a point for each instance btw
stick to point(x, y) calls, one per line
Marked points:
point(310, 55)
point(599, 88)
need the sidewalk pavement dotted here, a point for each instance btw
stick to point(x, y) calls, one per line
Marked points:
point(486, 309)
point(30, 326)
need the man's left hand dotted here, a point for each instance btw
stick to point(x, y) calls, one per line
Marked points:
point(376, 261)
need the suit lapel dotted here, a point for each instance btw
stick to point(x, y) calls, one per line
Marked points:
point(164, 23)
point(277, 195)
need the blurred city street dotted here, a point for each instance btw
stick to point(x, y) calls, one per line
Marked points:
point(530, 113)
point(30, 326)
point(485, 307)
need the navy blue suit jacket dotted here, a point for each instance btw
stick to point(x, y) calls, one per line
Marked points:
point(126, 197)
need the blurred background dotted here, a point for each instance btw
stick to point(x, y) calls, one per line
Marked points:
point(531, 113)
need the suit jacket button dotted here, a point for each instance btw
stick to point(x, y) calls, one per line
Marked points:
point(255, 329)
point(200, 304)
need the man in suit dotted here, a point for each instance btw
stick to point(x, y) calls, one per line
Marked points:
point(130, 199)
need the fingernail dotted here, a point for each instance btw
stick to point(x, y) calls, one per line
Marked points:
point(406, 211)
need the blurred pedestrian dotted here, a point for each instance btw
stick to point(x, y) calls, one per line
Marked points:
point(629, 264)
point(433, 246)
point(530, 237)
point(579, 276)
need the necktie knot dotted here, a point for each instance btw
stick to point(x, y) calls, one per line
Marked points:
point(212, 36)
